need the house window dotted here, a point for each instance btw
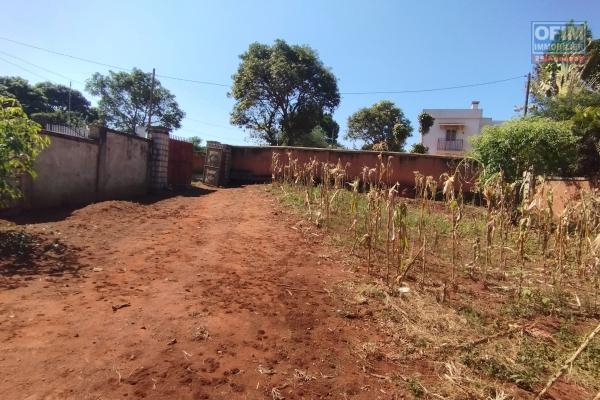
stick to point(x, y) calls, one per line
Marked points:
point(450, 134)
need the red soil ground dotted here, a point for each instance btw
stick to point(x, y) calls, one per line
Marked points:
point(224, 298)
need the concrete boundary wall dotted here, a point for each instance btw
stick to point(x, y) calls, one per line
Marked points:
point(66, 173)
point(74, 171)
point(253, 163)
point(123, 165)
point(565, 190)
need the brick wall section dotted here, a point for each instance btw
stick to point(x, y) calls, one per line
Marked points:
point(160, 158)
point(198, 163)
point(253, 163)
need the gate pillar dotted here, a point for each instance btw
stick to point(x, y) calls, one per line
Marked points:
point(159, 159)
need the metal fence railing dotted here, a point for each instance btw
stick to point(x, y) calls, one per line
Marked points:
point(179, 138)
point(68, 130)
point(450, 145)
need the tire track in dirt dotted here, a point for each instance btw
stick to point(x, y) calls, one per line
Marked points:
point(225, 301)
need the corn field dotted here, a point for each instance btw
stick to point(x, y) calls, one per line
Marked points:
point(511, 242)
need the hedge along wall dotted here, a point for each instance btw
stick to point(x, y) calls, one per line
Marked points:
point(253, 164)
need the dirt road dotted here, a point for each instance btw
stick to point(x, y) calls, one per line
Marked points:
point(203, 296)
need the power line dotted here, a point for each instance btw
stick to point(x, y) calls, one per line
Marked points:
point(40, 67)
point(202, 82)
point(437, 89)
point(184, 129)
point(193, 81)
point(63, 54)
point(24, 69)
point(106, 64)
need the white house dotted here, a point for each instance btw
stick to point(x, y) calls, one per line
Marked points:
point(453, 128)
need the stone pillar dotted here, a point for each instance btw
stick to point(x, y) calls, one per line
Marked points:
point(159, 161)
point(217, 164)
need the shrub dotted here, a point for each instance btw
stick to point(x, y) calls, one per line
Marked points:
point(419, 148)
point(20, 143)
point(546, 146)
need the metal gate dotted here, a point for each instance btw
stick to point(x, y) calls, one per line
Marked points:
point(179, 169)
point(216, 165)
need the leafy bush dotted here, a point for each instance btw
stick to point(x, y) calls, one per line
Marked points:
point(425, 122)
point(419, 148)
point(20, 143)
point(586, 127)
point(546, 146)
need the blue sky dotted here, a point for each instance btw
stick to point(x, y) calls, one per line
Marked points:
point(369, 45)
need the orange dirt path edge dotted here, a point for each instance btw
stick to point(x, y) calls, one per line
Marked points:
point(224, 300)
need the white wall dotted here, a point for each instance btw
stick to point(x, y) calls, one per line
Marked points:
point(471, 122)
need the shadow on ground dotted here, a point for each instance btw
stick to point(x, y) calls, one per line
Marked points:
point(38, 216)
point(188, 191)
point(25, 256)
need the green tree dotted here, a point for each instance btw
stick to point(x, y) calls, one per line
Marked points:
point(315, 138)
point(282, 92)
point(331, 129)
point(591, 69)
point(586, 126)
point(197, 143)
point(383, 123)
point(544, 145)
point(419, 148)
point(561, 108)
point(581, 109)
point(325, 134)
point(57, 98)
point(31, 98)
point(126, 99)
point(20, 143)
point(48, 102)
point(425, 122)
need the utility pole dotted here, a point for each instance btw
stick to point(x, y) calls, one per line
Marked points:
point(69, 109)
point(151, 99)
point(527, 94)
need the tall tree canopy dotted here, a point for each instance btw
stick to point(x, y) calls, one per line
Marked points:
point(48, 102)
point(20, 143)
point(125, 99)
point(331, 129)
point(325, 134)
point(383, 124)
point(282, 92)
point(31, 99)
